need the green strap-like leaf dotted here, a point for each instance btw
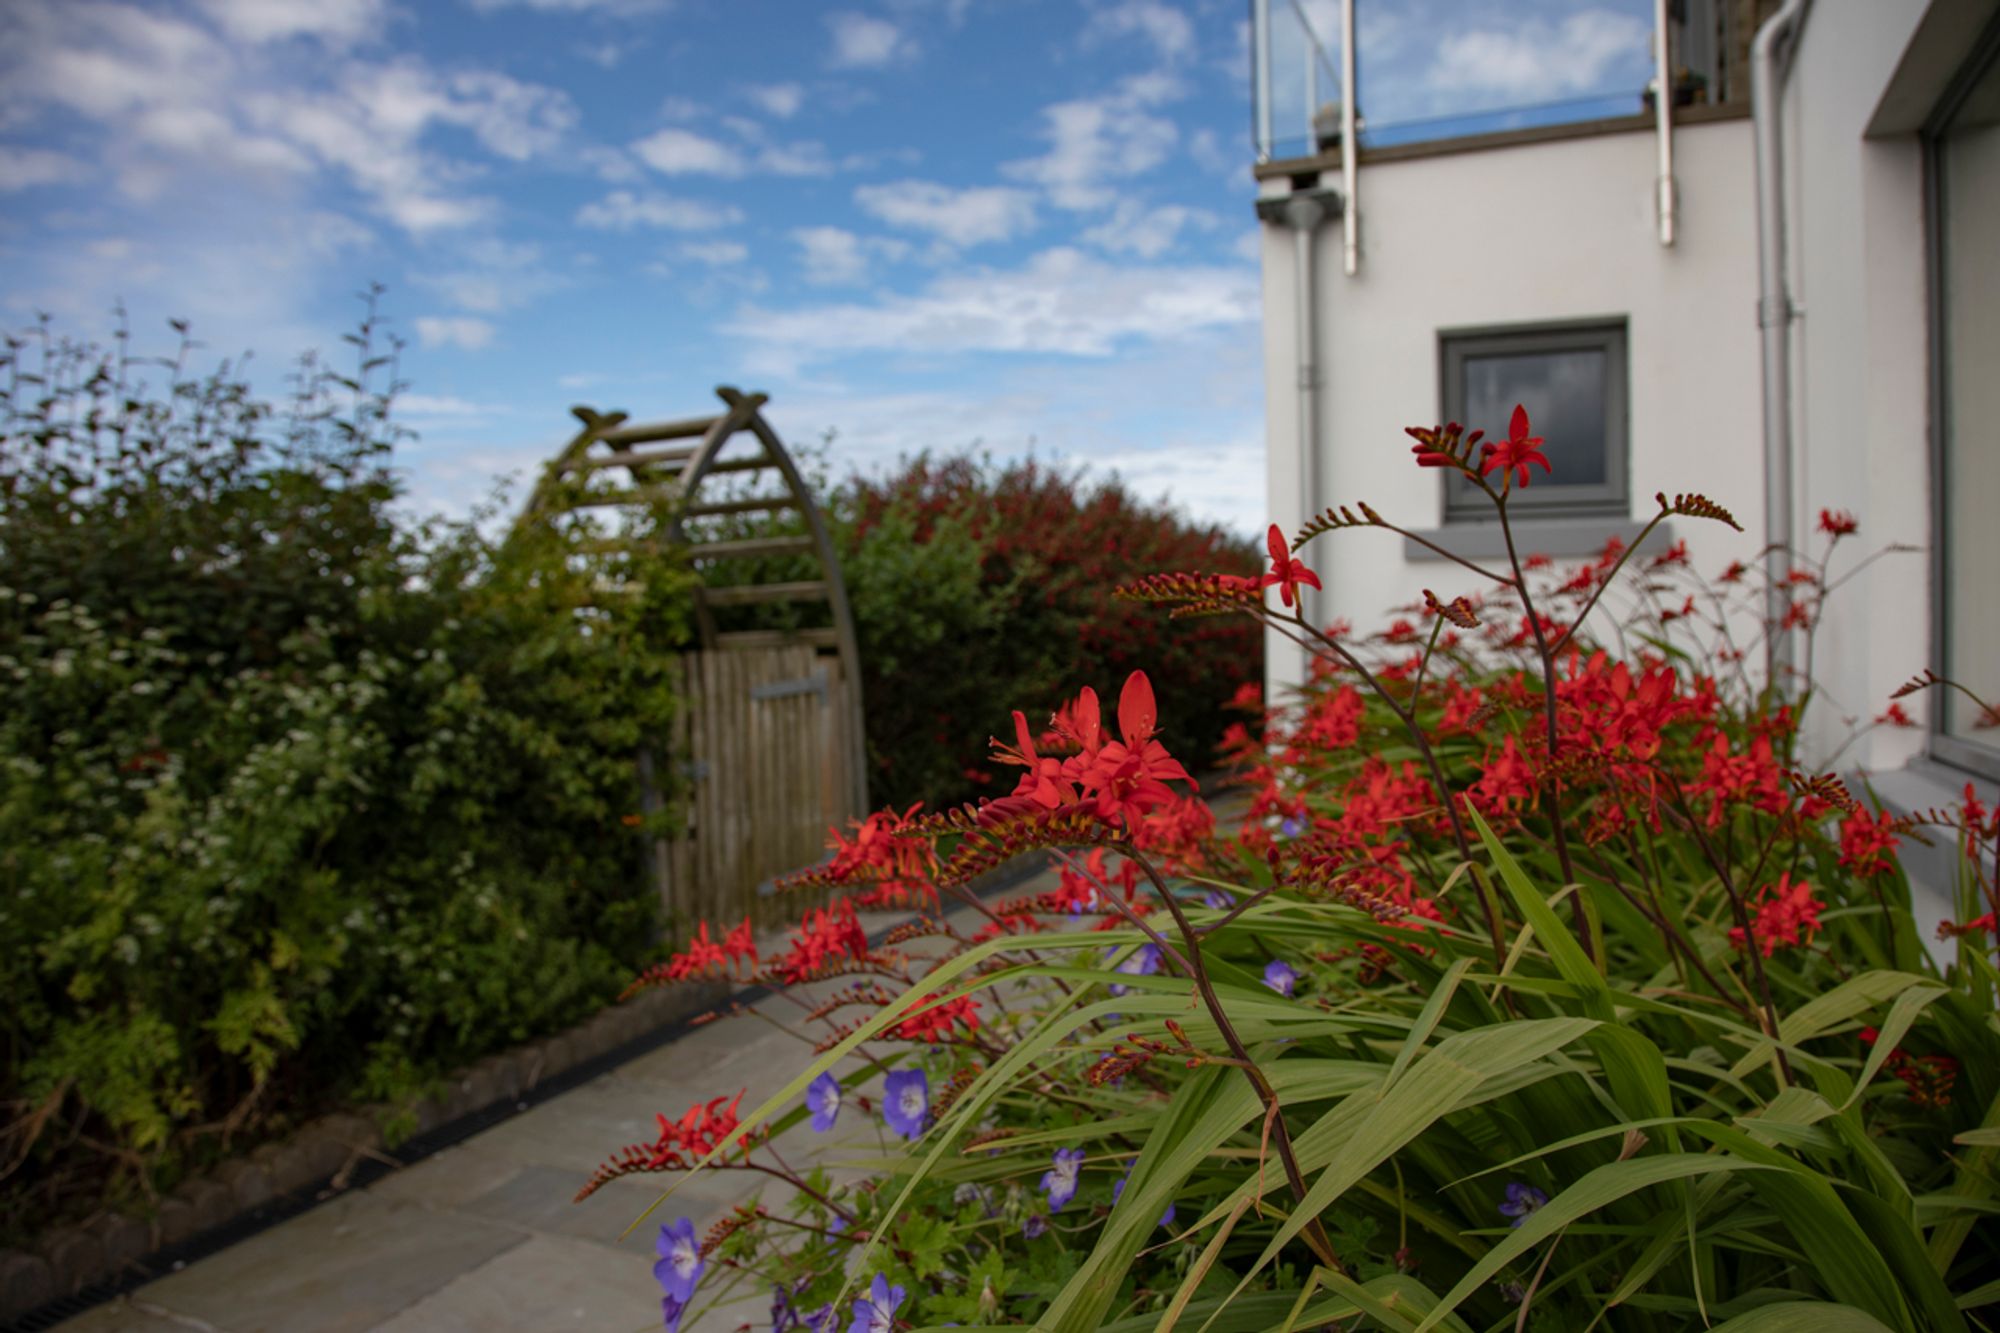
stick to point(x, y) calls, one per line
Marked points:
point(1605, 1185)
point(1803, 1317)
point(1570, 960)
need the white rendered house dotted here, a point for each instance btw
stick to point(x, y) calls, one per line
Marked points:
point(1832, 344)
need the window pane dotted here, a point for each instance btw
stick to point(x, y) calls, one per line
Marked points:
point(1969, 180)
point(1564, 393)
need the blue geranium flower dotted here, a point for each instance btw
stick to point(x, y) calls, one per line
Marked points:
point(823, 1100)
point(876, 1312)
point(1522, 1200)
point(1060, 1180)
point(1143, 963)
point(1280, 976)
point(906, 1101)
point(680, 1264)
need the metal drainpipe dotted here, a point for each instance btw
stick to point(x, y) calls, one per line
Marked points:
point(1774, 40)
point(1303, 214)
point(1350, 150)
point(1663, 116)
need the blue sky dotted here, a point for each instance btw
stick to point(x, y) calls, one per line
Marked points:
point(915, 223)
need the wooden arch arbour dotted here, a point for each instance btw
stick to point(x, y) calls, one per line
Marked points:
point(669, 481)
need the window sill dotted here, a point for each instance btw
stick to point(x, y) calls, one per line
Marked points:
point(1533, 536)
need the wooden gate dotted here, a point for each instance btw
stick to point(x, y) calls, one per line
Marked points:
point(769, 749)
point(762, 746)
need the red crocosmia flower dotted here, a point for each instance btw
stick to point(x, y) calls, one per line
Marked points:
point(1129, 777)
point(824, 938)
point(1838, 523)
point(1513, 454)
point(1044, 782)
point(1333, 721)
point(1787, 917)
point(1896, 716)
point(1975, 813)
point(934, 1023)
point(1751, 779)
point(741, 943)
point(1018, 923)
point(1737, 569)
point(1286, 573)
point(702, 957)
point(697, 1132)
point(1867, 842)
point(1506, 783)
point(1078, 723)
point(881, 848)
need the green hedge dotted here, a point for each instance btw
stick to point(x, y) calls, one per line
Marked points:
point(299, 803)
point(979, 587)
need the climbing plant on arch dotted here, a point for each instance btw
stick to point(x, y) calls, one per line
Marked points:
point(770, 746)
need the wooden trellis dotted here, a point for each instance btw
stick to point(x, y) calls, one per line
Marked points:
point(770, 737)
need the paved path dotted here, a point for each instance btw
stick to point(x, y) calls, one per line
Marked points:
point(482, 1237)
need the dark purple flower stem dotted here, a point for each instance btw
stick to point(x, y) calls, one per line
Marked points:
point(1281, 1139)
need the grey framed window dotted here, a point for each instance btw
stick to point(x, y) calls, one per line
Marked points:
point(1962, 161)
point(1572, 378)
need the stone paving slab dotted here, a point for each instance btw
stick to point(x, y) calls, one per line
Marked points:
point(341, 1268)
point(482, 1237)
point(547, 1283)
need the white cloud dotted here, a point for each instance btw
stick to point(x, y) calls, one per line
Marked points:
point(604, 55)
point(622, 8)
point(716, 254)
point(493, 276)
point(1146, 230)
point(1169, 30)
point(1534, 60)
point(861, 41)
point(335, 22)
point(22, 168)
point(453, 331)
point(834, 257)
point(804, 158)
point(1212, 481)
point(1206, 148)
point(623, 210)
point(614, 165)
point(960, 217)
point(176, 108)
point(1061, 301)
point(678, 152)
point(1095, 141)
point(782, 100)
point(446, 407)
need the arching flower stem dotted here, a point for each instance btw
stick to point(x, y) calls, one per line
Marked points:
point(1444, 793)
point(1315, 1234)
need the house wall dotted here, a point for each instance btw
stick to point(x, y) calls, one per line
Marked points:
point(1861, 400)
point(1546, 231)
